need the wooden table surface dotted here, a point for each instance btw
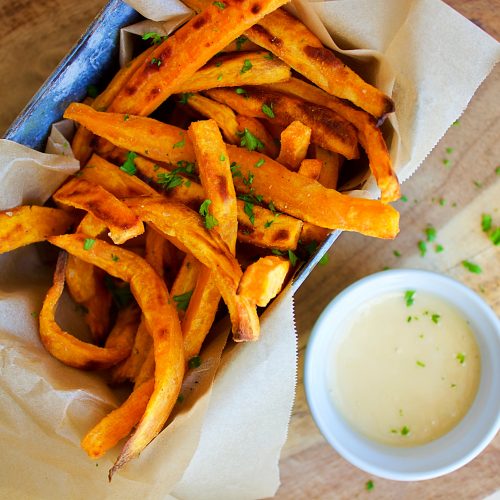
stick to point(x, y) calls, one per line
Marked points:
point(36, 35)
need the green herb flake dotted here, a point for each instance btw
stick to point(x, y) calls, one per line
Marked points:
point(182, 300)
point(276, 251)
point(422, 248)
point(396, 253)
point(240, 41)
point(453, 385)
point(435, 318)
point(442, 202)
point(249, 141)
point(324, 260)
point(268, 110)
point(121, 294)
point(461, 358)
point(218, 64)
point(438, 248)
point(180, 398)
point(126, 117)
point(471, 267)
point(181, 143)
point(210, 220)
point(219, 77)
point(185, 97)
point(222, 158)
point(155, 38)
point(478, 184)
point(497, 170)
point(270, 57)
point(410, 297)
point(408, 319)
point(420, 363)
point(129, 165)
point(156, 62)
point(495, 236)
point(248, 209)
point(194, 362)
point(404, 198)
point(88, 243)
point(394, 431)
point(114, 257)
point(430, 233)
point(446, 162)
point(259, 163)
point(35, 314)
point(292, 257)
point(247, 66)
point(220, 5)
point(486, 222)
point(248, 181)
point(235, 170)
point(92, 91)
point(449, 151)
point(268, 223)
point(369, 485)
point(405, 431)
point(169, 180)
point(241, 91)
point(456, 123)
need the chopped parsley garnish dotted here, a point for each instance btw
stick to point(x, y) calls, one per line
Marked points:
point(436, 318)
point(220, 5)
point(185, 97)
point(324, 260)
point(121, 294)
point(241, 91)
point(409, 297)
point(247, 66)
point(219, 77)
point(248, 180)
point(180, 398)
point(456, 123)
point(222, 158)
point(92, 91)
point(249, 141)
point(369, 485)
point(404, 198)
point(471, 267)
point(129, 165)
point(405, 431)
point(486, 222)
point(185, 167)
point(268, 110)
point(449, 151)
point(248, 209)
point(181, 143)
point(35, 314)
point(235, 170)
point(438, 248)
point(478, 184)
point(114, 257)
point(268, 223)
point(169, 180)
point(88, 243)
point(218, 64)
point(442, 202)
point(497, 170)
point(446, 162)
point(156, 62)
point(240, 41)
point(126, 117)
point(251, 198)
point(422, 247)
point(210, 220)
point(155, 38)
point(461, 358)
point(260, 162)
point(495, 236)
point(396, 253)
point(292, 257)
point(194, 362)
point(430, 233)
point(270, 57)
point(408, 319)
point(182, 300)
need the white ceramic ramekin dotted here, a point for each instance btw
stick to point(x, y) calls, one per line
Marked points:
point(449, 452)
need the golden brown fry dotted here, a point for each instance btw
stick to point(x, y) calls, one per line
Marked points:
point(295, 140)
point(145, 136)
point(330, 170)
point(122, 223)
point(226, 71)
point(119, 423)
point(311, 168)
point(185, 229)
point(267, 229)
point(24, 225)
point(189, 48)
point(184, 285)
point(72, 351)
point(242, 43)
point(311, 233)
point(256, 128)
point(305, 198)
point(162, 321)
point(369, 134)
point(81, 143)
point(222, 114)
point(263, 280)
point(329, 129)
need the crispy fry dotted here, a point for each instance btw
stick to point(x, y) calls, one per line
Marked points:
point(295, 140)
point(119, 423)
point(122, 223)
point(369, 134)
point(189, 48)
point(263, 280)
point(185, 228)
point(24, 225)
point(329, 129)
point(70, 350)
point(225, 71)
point(311, 168)
point(81, 143)
point(242, 43)
point(151, 138)
point(222, 114)
point(161, 319)
point(331, 163)
point(302, 197)
point(311, 233)
point(184, 285)
point(258, 130)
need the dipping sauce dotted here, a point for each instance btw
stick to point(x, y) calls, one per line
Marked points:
point(406, 369)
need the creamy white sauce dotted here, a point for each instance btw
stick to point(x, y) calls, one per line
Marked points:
point(404, 374)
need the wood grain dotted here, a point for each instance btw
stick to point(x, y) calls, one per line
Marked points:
point(36, 35)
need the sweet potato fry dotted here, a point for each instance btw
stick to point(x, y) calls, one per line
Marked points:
point(256, 128)
point(119, 423)
point(185, 228)
point(222, 114)
point(295, 140)
point(161, 319)
point(189, 48)
point(329, 129)
point(301, 197)
point(122, 223)
point(72, 351)
point(311, 233)
point(226, 71)
point(24, 225)
point(242, 43)
point(145, 136)
point(184, 285)
point(81, 143)
point(330, 169)
point(263, 280)
point(311, 168)
point(370, 136)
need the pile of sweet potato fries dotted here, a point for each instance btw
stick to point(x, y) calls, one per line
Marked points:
point(261, 120)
